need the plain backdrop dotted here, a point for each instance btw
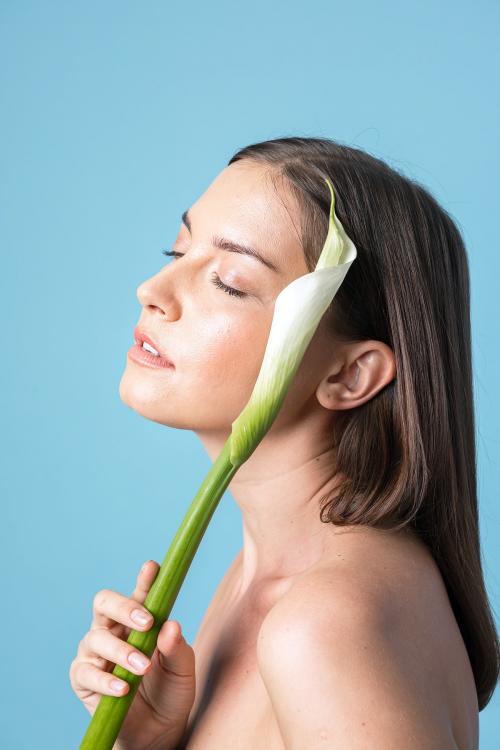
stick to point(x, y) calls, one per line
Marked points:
point(115, 117)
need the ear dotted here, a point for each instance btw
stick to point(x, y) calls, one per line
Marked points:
point(358, 374)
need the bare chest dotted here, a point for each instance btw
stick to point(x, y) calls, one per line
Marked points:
point(232, 707)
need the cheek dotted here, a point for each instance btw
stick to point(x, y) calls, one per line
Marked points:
point(225, 360)
point(217, 361)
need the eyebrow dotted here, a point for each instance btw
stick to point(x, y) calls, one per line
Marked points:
point(232, 247)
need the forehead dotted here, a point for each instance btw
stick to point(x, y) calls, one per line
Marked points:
point(245, 204)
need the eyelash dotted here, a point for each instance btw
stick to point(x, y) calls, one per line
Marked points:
point(215, 278)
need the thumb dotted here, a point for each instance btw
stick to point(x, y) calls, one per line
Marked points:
point(175, 655)
point(170, 686)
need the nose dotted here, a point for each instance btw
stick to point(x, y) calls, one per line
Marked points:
point(156, 292)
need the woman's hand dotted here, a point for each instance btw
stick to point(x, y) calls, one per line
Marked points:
point(165, 696)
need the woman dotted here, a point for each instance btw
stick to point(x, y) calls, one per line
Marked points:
point(355, 615)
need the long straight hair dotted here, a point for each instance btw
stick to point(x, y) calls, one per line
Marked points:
point(407, 456)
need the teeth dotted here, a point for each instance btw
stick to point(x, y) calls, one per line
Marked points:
point(149, 348)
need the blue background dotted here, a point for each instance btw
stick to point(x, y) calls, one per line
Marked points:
point(115, 117)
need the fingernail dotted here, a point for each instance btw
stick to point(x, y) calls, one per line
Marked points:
point(138, 661)
point(117, 685)
point(140, 617)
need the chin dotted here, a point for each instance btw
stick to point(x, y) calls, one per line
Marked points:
point(164, 407)
point(139, 397)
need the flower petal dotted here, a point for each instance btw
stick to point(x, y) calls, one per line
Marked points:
point(298, 310)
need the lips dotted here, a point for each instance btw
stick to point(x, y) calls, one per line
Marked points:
point(140, 336)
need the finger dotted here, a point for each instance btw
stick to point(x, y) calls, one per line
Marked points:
point(88, 677)
point(170, 686)
point(145, 579)
point(174, 654)
point(102, 644)
point(110, 607)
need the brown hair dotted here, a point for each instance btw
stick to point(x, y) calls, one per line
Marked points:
point(408, 456)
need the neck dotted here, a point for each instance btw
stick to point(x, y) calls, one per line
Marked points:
point(278, 490)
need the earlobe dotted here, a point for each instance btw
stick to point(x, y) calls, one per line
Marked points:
point(366, 369)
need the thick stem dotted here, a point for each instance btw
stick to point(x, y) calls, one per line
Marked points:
point(109, 715)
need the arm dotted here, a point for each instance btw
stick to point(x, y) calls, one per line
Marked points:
point(341, 673)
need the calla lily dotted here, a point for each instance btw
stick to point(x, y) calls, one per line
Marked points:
point(298, 310)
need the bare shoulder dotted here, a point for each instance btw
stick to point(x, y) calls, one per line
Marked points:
point(368, 577)
point(355, 652)
point(360, 586)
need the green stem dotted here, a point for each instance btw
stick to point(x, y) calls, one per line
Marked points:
point(110, 714)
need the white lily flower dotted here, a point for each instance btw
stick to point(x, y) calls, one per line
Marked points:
point(298, 310)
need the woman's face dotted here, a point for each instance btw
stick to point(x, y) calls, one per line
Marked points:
point(216, 341)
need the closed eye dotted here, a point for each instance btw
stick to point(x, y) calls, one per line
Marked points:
point(214, 279)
